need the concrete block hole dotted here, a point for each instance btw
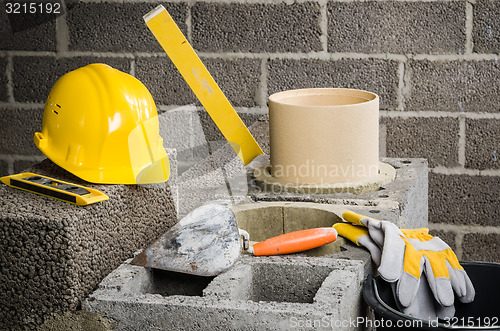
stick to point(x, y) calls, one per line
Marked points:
point(168, 283)
point(286, 282)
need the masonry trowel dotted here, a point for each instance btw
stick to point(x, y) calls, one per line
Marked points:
point(206, 242)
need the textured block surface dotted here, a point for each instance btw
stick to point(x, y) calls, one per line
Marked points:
point(247, 27)
point(38, 38)
point(34, 76)
point(18, 127)
point(486, 31)
point(116, 27)
point(374, 75)
point(461, 86)
point(55, 253)
point(238, 79)
point(464, 199)
point(482, 148)
point(396, 27)
point(163, 80)
point(432, 138)
point(3, 79)
point(481, 247)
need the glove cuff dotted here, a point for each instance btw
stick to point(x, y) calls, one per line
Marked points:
point(351, 232)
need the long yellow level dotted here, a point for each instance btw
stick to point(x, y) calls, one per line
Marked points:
point(53, 188)
point(201, 82)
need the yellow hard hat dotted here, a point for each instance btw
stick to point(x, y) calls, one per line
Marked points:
point(101, 124)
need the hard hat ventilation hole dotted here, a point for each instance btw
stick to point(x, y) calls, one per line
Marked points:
point(55, 112)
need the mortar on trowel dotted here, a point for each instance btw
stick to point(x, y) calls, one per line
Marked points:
point(324, 140)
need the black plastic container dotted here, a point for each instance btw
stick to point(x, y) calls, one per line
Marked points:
point(482, 314)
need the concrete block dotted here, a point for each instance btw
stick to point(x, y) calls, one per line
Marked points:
point(482, 144)
point(247, 27)
point(163, 80)
point(481, 247)
point(116, 27)
point(55, 253)
point(18, 127)
point(257, 293)
point(3, 79)
point(374, 75)
point(403, 201)
point(433, 138)
point(396, 27)
point(77, 320)
point(464, 199)
point(239, 79)
point(486, 29)
point(39, 38)
point(461, 86)
point(34, 76)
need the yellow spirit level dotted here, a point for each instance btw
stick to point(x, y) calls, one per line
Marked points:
point(56, 189)
point(201, 82)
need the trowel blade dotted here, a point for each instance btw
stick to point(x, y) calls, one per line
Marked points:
point(205, 242)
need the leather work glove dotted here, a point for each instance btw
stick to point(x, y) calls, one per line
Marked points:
point(405, 255)
point(423, 306)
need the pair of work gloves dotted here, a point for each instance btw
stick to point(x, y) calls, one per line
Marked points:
point(424, 272)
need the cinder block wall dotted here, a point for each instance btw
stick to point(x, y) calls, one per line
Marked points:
point(433, 63)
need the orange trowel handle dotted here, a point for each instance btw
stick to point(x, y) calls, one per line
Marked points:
point(297, 241)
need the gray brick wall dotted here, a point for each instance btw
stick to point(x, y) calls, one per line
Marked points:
point(481, 246)
point(462, 86)
point(256, 28)
point(18, 127)
point(115, 27)
point(486, 31)
point(434, 65)
point(396, 27)
point(482, 148)
point(163, 81)
point(34, 76)
point(464, 199)
point(418, 137)
point(39, 38)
